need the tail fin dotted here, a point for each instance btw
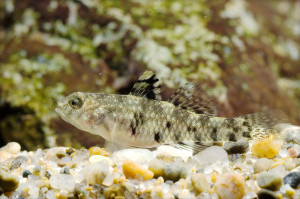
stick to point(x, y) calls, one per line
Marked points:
point(264, 124)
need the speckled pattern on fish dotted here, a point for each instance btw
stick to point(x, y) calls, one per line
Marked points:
point(141, 119)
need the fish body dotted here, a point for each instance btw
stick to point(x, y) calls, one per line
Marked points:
point(141, 119)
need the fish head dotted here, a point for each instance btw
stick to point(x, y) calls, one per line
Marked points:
point(81, 110)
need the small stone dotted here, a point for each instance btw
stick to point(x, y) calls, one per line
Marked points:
point(69, 151)
point(279, 170)
point(62, 182)
point(4, 156)
point(96, 172)
point(266, 148)
point(48, 174)
point(65, 170)
point(266, 194)
point(211, 155)
point(236, 147)
point(95, 150)
point(135, 171)
point(26, 173)
point(99, 158)
point(174, 172)
point(12, 147)
point(292, 153)
point(230, 186)
point(8, 182)
point(293, 179)
point(139, 156)
point(61, 154)
point(157, 167)
point(61, 163)
point(269, 181)
point(262, 164)
point(36, 170)
point(18, 161)
point(200, 182)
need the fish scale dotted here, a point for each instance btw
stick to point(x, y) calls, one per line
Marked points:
point(141, 119)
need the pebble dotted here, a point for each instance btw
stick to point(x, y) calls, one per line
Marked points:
point(26, 173)
point(211, 155)
point(269, 181)
point(61, 154)
point(135, 171)
point(293, 179)
point(99, 158)
point(266, 194)
point(139, 156)
point(292, 153)
point(65, 170)
point(48, 174)
point(18, 161)
point(69, 151)
point(96, 172)
point(279, 170)
point(62, 182)
point(230, 186)
point(266, 148)
point(8, 182)
point(236, 147)
point(200, 182)
point(174, 172)
point(4, 156)
point(157, 167)
point(261, 165)
point(12, 147)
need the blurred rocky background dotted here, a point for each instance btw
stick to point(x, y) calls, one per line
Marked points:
point(245, 53)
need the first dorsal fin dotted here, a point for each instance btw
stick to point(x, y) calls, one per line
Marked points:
point(193, 98)
point(147, 86)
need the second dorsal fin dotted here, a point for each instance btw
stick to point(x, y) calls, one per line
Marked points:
point(193, 98)
point(147, 86)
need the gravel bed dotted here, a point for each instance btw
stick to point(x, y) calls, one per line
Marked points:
point(240, 170)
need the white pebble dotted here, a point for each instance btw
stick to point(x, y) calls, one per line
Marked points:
point(211, 155)
point(12, 147)
point(62, 182)
point(140, 156)
point(99, 158)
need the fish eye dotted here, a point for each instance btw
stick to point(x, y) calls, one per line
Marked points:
point(76, 103)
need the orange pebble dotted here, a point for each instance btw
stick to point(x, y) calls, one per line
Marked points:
point(292, 153)
point(94, 150)
point(135, 171)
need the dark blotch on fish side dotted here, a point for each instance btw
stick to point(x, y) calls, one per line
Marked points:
point(194, 129)
point(133, 129)
point(168, 125)
point(232, 137)
point(157, 137)
point(177, 136)
point(293, 179)
point(214, 134)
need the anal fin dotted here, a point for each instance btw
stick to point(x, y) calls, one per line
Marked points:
point(196, 147)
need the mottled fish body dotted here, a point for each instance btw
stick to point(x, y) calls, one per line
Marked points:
point(141, 119)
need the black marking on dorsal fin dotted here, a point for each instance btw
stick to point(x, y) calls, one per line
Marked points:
point(193, 98)
point(147, 86)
